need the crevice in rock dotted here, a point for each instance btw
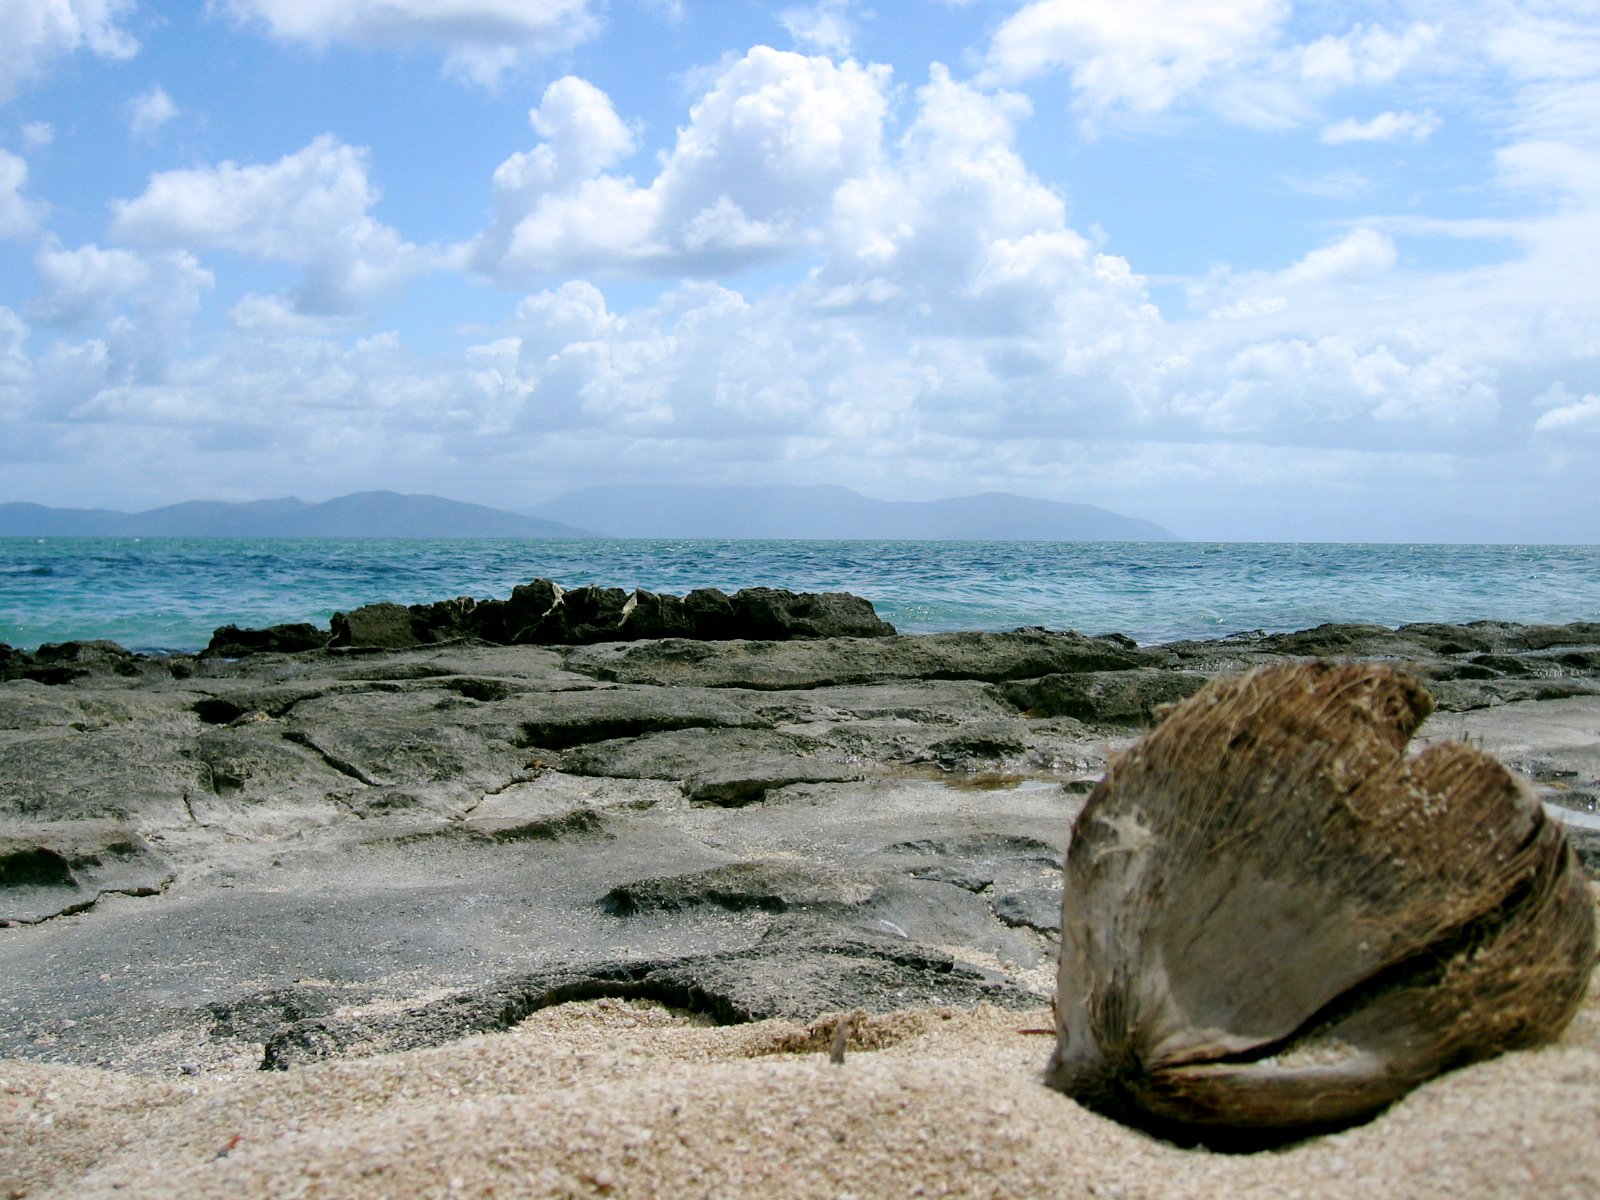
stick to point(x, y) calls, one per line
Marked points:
point(343, 766)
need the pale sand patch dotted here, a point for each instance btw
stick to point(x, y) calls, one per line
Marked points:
point(623, 1099)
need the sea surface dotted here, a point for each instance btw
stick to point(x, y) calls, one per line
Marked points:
point(168, 594)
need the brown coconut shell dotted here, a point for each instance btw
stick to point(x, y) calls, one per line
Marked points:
point(1275, 923)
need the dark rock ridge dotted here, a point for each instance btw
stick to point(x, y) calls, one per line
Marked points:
point(546, 614)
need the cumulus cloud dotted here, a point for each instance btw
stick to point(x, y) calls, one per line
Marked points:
point(310, 208)
point(1142, 54)
point(137, 306)
point(148, 112)
point(38, 133)
point(1146, 56)
point(752, 173)
point(825, 28)
point(951, 300)
point(480, 39)
point(19, 216)
point(34, 33)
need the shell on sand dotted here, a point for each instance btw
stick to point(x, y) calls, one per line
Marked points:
point(1275, 922)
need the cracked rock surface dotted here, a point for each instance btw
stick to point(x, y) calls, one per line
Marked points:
point(341, 851)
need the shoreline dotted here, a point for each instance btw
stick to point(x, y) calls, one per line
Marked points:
point(456, 859)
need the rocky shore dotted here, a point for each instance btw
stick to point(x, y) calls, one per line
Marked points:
point(271, 857)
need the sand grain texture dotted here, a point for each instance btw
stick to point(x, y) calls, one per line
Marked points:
point(625, 1099)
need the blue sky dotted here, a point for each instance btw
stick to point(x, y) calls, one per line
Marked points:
point(1254, 270)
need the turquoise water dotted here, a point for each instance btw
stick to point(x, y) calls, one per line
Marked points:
point(170, 593)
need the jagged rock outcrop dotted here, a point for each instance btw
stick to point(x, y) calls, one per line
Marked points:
point(544, 613)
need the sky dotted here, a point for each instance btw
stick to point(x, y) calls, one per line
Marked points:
point(1252, 269)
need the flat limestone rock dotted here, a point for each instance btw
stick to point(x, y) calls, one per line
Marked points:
point(50, 870)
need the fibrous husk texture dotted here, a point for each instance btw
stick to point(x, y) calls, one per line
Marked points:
point(1274, 922)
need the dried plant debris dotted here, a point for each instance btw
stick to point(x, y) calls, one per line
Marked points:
point(1276, 923)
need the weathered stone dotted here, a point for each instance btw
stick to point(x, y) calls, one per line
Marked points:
point(735, 786)
point(773, 886)
point(374, 626)
point(649, 615)
point(1103, 697)
point(47, 870)
point(230, 641)
point(776, 614)
point(586, 614)
point(827, 662)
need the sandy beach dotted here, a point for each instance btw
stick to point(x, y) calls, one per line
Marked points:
point(524, 921)
point(614, 1098)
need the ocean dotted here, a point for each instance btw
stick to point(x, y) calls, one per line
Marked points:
point(168, 594)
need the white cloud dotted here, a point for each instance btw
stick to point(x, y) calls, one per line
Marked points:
point(1141, 54)
point(951, 300)
point(16, 368)
point(84, 285)
point(1367, 55)
point(310, 208)
point(1146, 56)
point(138, 305)
point(1568, 414)
point(38, 133)
point(1385, 127)
point(19, 216)
point(480, 39)
point(753, 172)
point(1360, 253)
point(1323, 277)
point(34, 33)
point(147, 113)
point(823, 28)
point(1336, 390)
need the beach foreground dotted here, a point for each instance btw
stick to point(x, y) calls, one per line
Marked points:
point(614, 1098)
point(539, 921)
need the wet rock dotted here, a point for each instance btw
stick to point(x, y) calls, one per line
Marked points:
point(64, 662)
point(1110, 698)
point(776, 614)
point(649, 615)
point(374, 626)
point(230, 641)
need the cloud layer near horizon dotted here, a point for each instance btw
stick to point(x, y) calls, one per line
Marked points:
point(830, 268)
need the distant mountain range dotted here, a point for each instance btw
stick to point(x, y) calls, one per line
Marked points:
point(675, 511)
point(643, 511)
point(364, 514)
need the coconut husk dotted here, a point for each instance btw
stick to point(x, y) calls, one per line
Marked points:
point(1274, 922)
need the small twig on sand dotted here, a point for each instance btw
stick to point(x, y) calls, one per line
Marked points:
point(841, 1039)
